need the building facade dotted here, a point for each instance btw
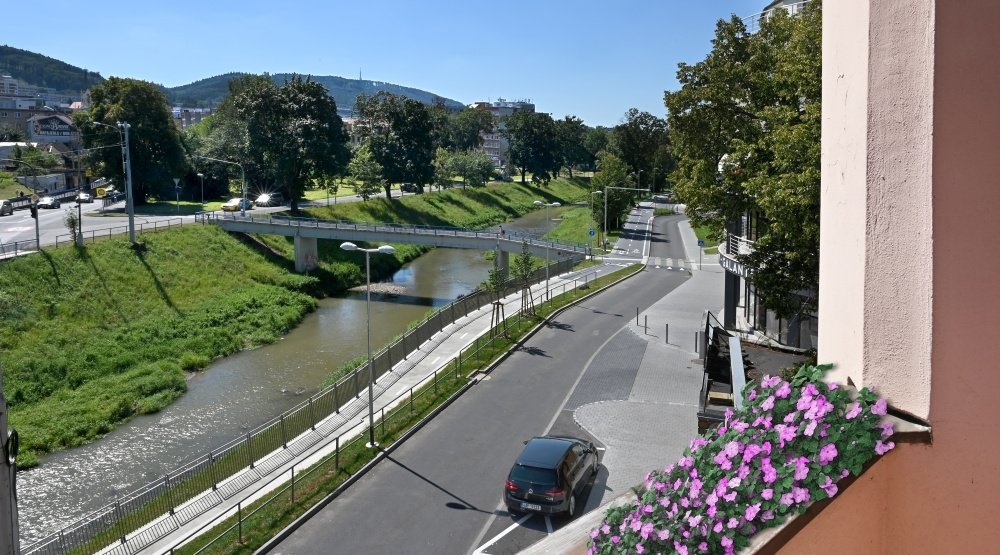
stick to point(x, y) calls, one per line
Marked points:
point(494, 144)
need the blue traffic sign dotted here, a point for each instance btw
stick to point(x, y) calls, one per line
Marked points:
point(701, 242)
point(591, 232)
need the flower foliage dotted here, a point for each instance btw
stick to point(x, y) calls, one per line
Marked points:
point(789, 445)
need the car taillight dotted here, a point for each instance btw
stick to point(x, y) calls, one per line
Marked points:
point(511, 486)
point(554, 492)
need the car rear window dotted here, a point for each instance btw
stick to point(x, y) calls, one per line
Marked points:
point(533, 475)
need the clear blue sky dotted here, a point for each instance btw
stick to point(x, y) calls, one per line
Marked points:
point(594, 59)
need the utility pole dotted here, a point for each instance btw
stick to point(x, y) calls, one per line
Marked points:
point(129, 203)
point(9, 538)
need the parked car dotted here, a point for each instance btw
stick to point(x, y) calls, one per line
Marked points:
point(408, 188)
point(6, 208)
point(84, 197)
point(48, 202)
point(234, 204)
point(269, 199)
point(549, 475)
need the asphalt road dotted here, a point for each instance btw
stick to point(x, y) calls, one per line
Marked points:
point(440, 492)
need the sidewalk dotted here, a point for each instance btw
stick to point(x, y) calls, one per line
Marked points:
point(351, 421)
point(654, 425)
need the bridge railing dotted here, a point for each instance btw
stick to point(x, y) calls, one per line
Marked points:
point(416, 229)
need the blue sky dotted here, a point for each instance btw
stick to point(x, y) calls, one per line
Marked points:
point(588, 58)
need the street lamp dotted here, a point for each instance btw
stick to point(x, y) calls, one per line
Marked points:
point(546, 205)
point(384, 249)
point(202, 177)
point(592, 216)
point(243, 177)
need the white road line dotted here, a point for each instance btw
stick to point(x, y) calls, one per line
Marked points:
point(498, 537)
point(463, 335)
point(436, 359)
point(548, 525)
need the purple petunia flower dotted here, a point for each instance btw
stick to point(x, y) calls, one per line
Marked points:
point(594, 533)
point(718, 527)
point(801, 495)
point(663, 535)
point(733, 523)
point(786, 499)
point(854, 411)
point(829, 487)
point(886, 429)
point(768, 403)
point(827, 453)
point(680, 548)
point(784, 391)
point(647, 529)
point(605, 529)
point(879, 407)
point(770, 381)
point(767, 494)
point(751, 511)
point(883, 448)
point(639, 548)
point(801, 468)
point(785, 434)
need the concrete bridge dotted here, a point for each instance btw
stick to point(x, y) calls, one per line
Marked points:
point(306, 232)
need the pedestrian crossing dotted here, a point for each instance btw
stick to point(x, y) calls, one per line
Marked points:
point(669, 263)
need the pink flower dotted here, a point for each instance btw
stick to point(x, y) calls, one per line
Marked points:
point(718, 527)
point(685, 462)
point(786, 499)
point(810, 428)
point(886, 429)
point(662, 535)
point(784, 391)
point(752, 395)
point(605, 529)
point(770, 381)
point(647, 529)
point(615, 539)
point(767, 494)
point(680, 548)
point(829, 487)
point(726, 542)
point(827, 454)
point(751, 511)
point(854, 412)
point(785, 434)
point(883, 448)
point(639, 548)
point(768, 403)
point(879, 407)
point(594, 533)
point(801, 495)
point(801, 468)
point(733, 523)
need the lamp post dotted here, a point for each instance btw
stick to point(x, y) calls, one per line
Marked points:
point(546, 205)
point(243, 177)
point(384, 249)
point(201, 176)
point(592, 216)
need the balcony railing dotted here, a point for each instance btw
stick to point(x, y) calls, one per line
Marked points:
point(753, 22)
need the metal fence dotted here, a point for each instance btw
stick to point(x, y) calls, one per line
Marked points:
point(242, 462)
point(94, 235)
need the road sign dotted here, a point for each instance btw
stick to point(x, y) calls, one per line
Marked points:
point(34, 197)
point(701, 242)
point(591, 232)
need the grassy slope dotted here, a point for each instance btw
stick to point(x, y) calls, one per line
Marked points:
point(90, 337)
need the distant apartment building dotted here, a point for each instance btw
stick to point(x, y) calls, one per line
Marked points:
point(494, 145)
point(190, 116)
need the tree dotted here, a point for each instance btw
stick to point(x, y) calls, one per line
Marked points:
point(745, 132)
point(466, 128)
point(596, 141)
point(521, 270)
point(571, 134)
point(155, 150)
point(399, 133)
point(294, 129)
point(442, 168)
point(474, 166)
point(495, 284)
point(641, 141)
point(366, 171)
point(533, 146)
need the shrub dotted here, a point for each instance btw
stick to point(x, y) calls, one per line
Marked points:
point(789, 446)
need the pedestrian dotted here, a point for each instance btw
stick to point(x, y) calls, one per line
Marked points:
point(501, 231)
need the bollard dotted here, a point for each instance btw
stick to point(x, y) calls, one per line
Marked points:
point(637, 316)
point(666, 333)
point(645, 324)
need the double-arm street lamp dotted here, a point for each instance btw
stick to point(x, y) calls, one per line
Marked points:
point(122, 127)
point(384, 249)
point(546, 205)
point(243, 177)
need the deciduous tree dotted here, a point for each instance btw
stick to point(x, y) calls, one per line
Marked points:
point(533, 146)
point(399, 133)
point(745, 132)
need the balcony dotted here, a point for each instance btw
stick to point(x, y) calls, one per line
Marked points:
point(729, 249)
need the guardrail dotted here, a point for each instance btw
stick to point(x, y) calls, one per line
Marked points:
point(93, 235)
point(206, 481)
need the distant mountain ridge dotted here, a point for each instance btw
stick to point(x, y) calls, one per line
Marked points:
point(210, 92)
point(41, 71)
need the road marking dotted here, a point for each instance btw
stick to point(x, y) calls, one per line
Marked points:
point(436, 359)
point(498, 537)
point(463, 335)
point(548, 525)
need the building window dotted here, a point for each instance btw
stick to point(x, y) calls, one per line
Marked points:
point(17, 115)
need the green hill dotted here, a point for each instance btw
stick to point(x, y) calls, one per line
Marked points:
point(42, 71)
point(209, 92)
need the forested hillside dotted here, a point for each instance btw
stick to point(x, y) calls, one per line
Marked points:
point(42, 71)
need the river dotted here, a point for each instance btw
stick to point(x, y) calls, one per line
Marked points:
point(236, 394)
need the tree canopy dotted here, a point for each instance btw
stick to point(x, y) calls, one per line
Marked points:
point(745, 134)
point(155, 149)
point(641, 141)
point(400, 134)
point(533, 144)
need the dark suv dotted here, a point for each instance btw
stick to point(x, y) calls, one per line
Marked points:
point(549, 475)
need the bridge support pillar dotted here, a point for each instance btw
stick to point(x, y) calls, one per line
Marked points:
point(306, 254)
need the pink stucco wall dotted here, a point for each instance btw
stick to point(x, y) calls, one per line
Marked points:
point(940, 496)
